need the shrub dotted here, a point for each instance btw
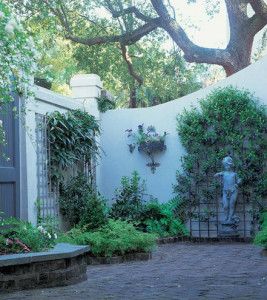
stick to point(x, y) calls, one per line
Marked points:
point(115, 238)
point(129, 199)
point(161, 220)
point(79, 204)
point(15, 234)
point(261, 237)
point(94, 213)
point(104, 104)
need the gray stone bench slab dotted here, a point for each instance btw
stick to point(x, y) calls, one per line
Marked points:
point(63, 265)
point(60, 251)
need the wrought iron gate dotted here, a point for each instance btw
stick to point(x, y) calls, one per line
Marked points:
point(204, 220)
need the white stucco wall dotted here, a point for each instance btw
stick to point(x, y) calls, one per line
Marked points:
point(117, 161)
point(85, 89)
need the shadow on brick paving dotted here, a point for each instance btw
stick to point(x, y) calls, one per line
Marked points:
point(176, 271)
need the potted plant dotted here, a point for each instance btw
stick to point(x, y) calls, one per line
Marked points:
point(147, 141)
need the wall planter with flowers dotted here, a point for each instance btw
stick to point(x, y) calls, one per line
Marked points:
point(149, 142)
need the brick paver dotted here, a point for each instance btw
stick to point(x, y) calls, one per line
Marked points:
point(177, 271)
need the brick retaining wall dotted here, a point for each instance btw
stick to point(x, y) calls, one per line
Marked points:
point(64, 265)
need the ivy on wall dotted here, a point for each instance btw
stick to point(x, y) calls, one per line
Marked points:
point(72, 140)
point(229, 122)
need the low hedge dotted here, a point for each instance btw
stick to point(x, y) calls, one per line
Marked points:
point(115, 238)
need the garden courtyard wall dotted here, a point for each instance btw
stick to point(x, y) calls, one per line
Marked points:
point(117, 161)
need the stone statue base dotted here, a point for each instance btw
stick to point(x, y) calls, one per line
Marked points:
point(228, 230)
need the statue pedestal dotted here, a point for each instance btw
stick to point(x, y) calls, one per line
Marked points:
point(228, 230)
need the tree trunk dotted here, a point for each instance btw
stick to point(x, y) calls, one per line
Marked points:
point(133, 99)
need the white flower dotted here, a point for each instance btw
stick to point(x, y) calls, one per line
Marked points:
point(49, 235)
point(55, 235)
point(9, 29)
point(1, 14)
point(13, 22)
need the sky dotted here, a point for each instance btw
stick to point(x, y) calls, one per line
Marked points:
point(212, 32)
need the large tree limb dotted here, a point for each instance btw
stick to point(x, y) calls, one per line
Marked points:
point(260, 7)
point(192, 52)
point(131, 10)
point(235, 57)
point(127, 38)
point(127, 58)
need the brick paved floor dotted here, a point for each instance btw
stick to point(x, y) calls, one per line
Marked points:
point(177, 271)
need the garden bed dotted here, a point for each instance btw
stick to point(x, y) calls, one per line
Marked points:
point(63, 265)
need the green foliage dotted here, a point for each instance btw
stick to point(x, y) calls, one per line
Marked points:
point(261, 237)
point(71, 137)
point(229, 121)
point(17, 61)
point(149, 216)
point(115, 238)
point(129, 200)
point(35, 238)
point(17, 53)
point(161, 219)
point(104, 104)
point(148, 136)
point(166, 75)
point(81, 205)
point(94, 214)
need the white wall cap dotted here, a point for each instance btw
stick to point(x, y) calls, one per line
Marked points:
point(81, 80)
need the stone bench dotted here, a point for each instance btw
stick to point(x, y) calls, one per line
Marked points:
point(63, 265)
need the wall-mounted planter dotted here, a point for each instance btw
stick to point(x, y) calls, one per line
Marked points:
point(151, 148)
point(149, 142)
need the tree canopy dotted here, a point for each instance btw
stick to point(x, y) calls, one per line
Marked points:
point(126, 29)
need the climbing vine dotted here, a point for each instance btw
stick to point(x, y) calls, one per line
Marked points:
point(229, 121)
point(72, 140)
point(17, 60)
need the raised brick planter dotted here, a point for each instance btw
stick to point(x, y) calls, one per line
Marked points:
point(139, 256)
point(63, 265)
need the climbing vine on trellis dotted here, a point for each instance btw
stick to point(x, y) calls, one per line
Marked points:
point(72, 139)
point(229, 121)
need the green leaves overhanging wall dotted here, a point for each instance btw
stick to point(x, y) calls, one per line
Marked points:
point(229, 121)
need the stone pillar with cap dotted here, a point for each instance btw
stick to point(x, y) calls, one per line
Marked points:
point(85, 89)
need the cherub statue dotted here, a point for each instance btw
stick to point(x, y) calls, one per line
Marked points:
point(230, 182)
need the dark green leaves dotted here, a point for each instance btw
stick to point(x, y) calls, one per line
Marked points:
point(228, 121)
point(72, 139)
